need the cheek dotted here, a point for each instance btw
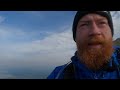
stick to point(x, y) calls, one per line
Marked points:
point(81, 36)
point(107, 35)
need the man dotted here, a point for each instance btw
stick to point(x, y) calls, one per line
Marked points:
point(96, 57)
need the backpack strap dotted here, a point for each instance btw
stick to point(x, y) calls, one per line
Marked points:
point(69, 72)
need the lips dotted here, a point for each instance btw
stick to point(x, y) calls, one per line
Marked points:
point(94, 45)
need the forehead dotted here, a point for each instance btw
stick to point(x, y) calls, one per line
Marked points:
point(93, 16)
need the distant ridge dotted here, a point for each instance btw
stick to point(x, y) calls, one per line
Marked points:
point(117, 42)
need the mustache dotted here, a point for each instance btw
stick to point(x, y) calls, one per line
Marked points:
point(96, 40)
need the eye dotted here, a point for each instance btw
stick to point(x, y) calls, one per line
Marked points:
point(103, 23)
point(84, 24)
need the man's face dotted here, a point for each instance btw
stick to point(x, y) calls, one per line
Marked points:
point(94, 41)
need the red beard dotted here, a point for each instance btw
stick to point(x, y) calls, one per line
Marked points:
point(95, 58)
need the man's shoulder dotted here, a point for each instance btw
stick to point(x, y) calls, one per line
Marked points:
point(58, 68)
point(55, 71)
point(117, 49)
point(117, 52)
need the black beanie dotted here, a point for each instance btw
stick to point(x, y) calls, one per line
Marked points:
point(80, 14)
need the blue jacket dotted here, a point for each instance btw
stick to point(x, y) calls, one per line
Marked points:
point(82, 72)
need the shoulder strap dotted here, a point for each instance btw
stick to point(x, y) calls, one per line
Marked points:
point(69, 72)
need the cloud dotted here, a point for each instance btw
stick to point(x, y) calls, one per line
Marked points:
point(56, 43)
point(41, 55)
point(8, 32)
point(2, 19)
point(116, 22)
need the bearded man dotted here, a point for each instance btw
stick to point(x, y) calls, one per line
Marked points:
point(96, 56)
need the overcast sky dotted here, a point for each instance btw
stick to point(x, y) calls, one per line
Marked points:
point(33, 43)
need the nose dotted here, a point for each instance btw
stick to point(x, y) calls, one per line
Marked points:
point(94, 30)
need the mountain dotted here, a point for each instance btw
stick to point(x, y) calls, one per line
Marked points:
point(117, 42)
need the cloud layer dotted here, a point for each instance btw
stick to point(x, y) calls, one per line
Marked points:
point(37, 55)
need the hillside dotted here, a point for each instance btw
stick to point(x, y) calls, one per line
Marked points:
point(117, 41)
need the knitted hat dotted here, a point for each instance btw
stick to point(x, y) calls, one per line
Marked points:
point(80, 14)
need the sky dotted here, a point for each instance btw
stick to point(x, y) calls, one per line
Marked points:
point(33, 43)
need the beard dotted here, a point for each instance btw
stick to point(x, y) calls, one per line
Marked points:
point(95, 58)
